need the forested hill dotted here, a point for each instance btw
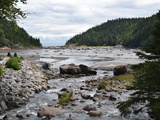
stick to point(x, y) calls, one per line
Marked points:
point(132, 32)
point(11, 36)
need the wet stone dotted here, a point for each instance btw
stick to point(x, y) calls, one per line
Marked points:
point(74, 104)
point(85, 96)
point(89, 108)
point(79, 111)
point(111, 97)
point(8, 116)
point(21, 115)
point(95, 113)
point(82, 101)
point(49, 111)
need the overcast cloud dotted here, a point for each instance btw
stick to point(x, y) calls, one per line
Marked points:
point(55, 21)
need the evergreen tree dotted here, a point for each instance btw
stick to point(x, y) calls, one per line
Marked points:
point(147, 79)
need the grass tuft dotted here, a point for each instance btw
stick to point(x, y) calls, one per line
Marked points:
point(65, 98)
point(102, 85)
point(126, 77)
point(1, 71)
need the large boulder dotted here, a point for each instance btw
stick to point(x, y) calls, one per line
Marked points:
point(74, 69)
point(118, 70)
point(50, 111)
point(69, 69)
point(87, 70)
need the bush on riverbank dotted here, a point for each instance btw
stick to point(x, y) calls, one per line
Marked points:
point(15, 54)
point(1, 71)
point(13, 63)
point(65, 98)
point(1, 58)
point(155, 107)
point(102, 85)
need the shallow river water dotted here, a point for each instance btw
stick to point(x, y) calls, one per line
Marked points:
point(95, 57)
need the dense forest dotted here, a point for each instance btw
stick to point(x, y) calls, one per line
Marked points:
point(129, 32)
point(11, 35)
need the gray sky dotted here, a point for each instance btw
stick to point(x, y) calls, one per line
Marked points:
point(55, 21)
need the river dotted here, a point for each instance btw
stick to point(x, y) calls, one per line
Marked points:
point(97, 57)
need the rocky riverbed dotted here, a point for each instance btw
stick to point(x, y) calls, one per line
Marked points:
point(16, 87)
point(88, 102)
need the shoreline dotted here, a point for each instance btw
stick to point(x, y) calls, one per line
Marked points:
point(16, 87)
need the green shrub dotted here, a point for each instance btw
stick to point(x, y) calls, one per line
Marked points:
point(21, 58)
point(1, 71)
point(155, 107)
point(1, 58)
point(15, 54)
point(13, 63)
point(65, 98)
point(102, 85)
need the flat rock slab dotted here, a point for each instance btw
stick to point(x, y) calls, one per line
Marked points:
point(50, 111)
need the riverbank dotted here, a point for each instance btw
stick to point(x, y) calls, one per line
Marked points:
point(16, 87)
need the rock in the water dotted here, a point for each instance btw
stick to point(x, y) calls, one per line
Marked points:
point(95, 113)
point(111, 97)
point(89, 108)
point(69, 69)
point(118, 70)
point(85, 96)
point(74, 69)
point(8, 116)
point(64, 90)
point(21, 116)
point(50, 111)
point(87, 70)
point(46, 66)
point(79, 111)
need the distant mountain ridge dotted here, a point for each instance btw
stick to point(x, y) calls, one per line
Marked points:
point(11, 36)
point(129, 32)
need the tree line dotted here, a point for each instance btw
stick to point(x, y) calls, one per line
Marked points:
point(11, 35)
point(129, 32)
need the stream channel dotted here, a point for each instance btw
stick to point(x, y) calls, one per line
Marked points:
point(97, 57)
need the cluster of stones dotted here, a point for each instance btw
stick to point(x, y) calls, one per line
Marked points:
point(72, 69)
point(16, 87)
point(32, 82)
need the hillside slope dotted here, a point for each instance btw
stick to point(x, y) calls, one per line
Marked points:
point(11, 36)
point(130, 32)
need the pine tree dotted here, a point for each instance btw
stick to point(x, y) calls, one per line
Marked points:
point(147, 79)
